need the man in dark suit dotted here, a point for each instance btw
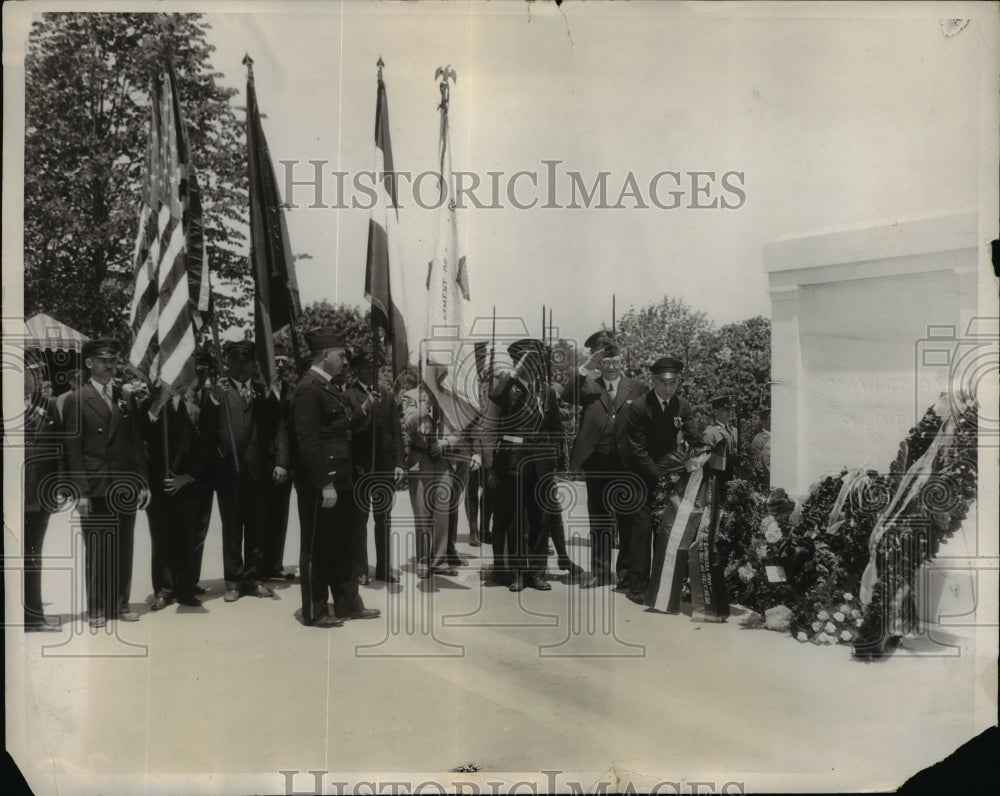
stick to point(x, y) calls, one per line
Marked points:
point(178, 463)
point(600, 450)
point(318, 434)
point(380, 434)
point(106, 460)
point(279, 486)
point(204, 367)
point(232, 421)
point(657, 423)
point(41, 465)
point(528, 433)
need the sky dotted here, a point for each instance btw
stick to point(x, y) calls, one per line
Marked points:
point(831, 116)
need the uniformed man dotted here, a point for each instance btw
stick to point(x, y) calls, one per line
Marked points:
point(760, 450)
point(660, 422)
point(528, 433)
point(232, 420)
point(382, 473)
point(41, 464)
point(319, 431)
point(601, 451)
point(104, 451)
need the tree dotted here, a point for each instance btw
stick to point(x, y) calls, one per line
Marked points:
point(87, 80)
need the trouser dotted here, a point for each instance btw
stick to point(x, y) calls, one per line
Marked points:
point(521, 529)
point(243, 505)
point(459, 484)
point(377, 498)
point(108, 539)
point(602, 476)
point(35, 525)
point(173, 522)
point(433, 496)
point(276, 526)
point(326, 555)
point(205, 500)
point(472, 501)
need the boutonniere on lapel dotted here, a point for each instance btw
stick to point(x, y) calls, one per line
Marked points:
point(119, 399)
point(678, 423)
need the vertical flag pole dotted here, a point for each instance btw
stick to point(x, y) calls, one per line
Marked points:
point(225, 406)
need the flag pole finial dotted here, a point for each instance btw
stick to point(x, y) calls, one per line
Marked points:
point(380, 63)
point(446, 73)
point(248, 62)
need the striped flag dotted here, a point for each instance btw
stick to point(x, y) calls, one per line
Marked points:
point(384, 285)
point(276, 292)
point(448, 361)
point(170, 266)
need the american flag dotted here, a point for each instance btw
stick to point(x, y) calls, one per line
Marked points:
point(172, 290)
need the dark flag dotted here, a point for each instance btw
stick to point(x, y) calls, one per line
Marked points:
point(383, 273)
point(276, 293)
point(170, 267)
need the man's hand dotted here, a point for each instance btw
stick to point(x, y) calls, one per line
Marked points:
point(279, 474)
point(372, 400)
point(83, 506)
point(329, 497)
point(143, 500)
point(400, 474)
point(176, 483)
point(592, 362)
point(476, 462)
point(217, 391)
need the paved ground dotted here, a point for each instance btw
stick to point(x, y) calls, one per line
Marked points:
point(584, 683)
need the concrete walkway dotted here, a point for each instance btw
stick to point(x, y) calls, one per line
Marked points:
point(582, 684)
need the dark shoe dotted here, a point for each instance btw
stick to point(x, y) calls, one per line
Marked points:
point(325, 620)
point(160, 602)
point(42, 626)
point(638, 597)
point(198, 590)
point(474, 540)
point(128, 616)
point(364, 580)
point(386, 578)
point(449, 571)
point(260, 590)
point(457, 561)
point(592, 582)
point(97, 621)
point(282, 574)
point(622, 585)
point(539, 583)
point(517, 584)
point(190, 602)
point(231, 595)
point(364, 613)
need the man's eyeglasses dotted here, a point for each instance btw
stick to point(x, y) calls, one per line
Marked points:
point(611, 362)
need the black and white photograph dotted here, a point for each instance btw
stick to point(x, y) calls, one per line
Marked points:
point(499, 397)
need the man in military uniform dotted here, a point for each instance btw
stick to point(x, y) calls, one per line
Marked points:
point(658, 423)
point(760, 450)
point(601, 451)
point(232, 420)
point(319, 432)
point(104, 449)
point(528, 433)
point(381, 429)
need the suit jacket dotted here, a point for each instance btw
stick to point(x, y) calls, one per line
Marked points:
point(42, 456)
point(653, 435)
point(389, 452)
point(102, 443)
point(425, 435)
point(186, 446)
point(598, 410)
point(527, 427)
point(254, 426)
point(318, 434)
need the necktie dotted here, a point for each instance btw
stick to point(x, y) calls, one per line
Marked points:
point(611, 391)
point(245, 393)
point(106, 395)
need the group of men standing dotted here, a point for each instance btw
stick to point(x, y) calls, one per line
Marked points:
point(244, 443)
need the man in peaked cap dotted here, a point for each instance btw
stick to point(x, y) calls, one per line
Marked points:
point(319, 429)
point(600, 450)
point(528, 433)
point(658, 422)
point(106, 460)
point(381, 473)
point(232, 421)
